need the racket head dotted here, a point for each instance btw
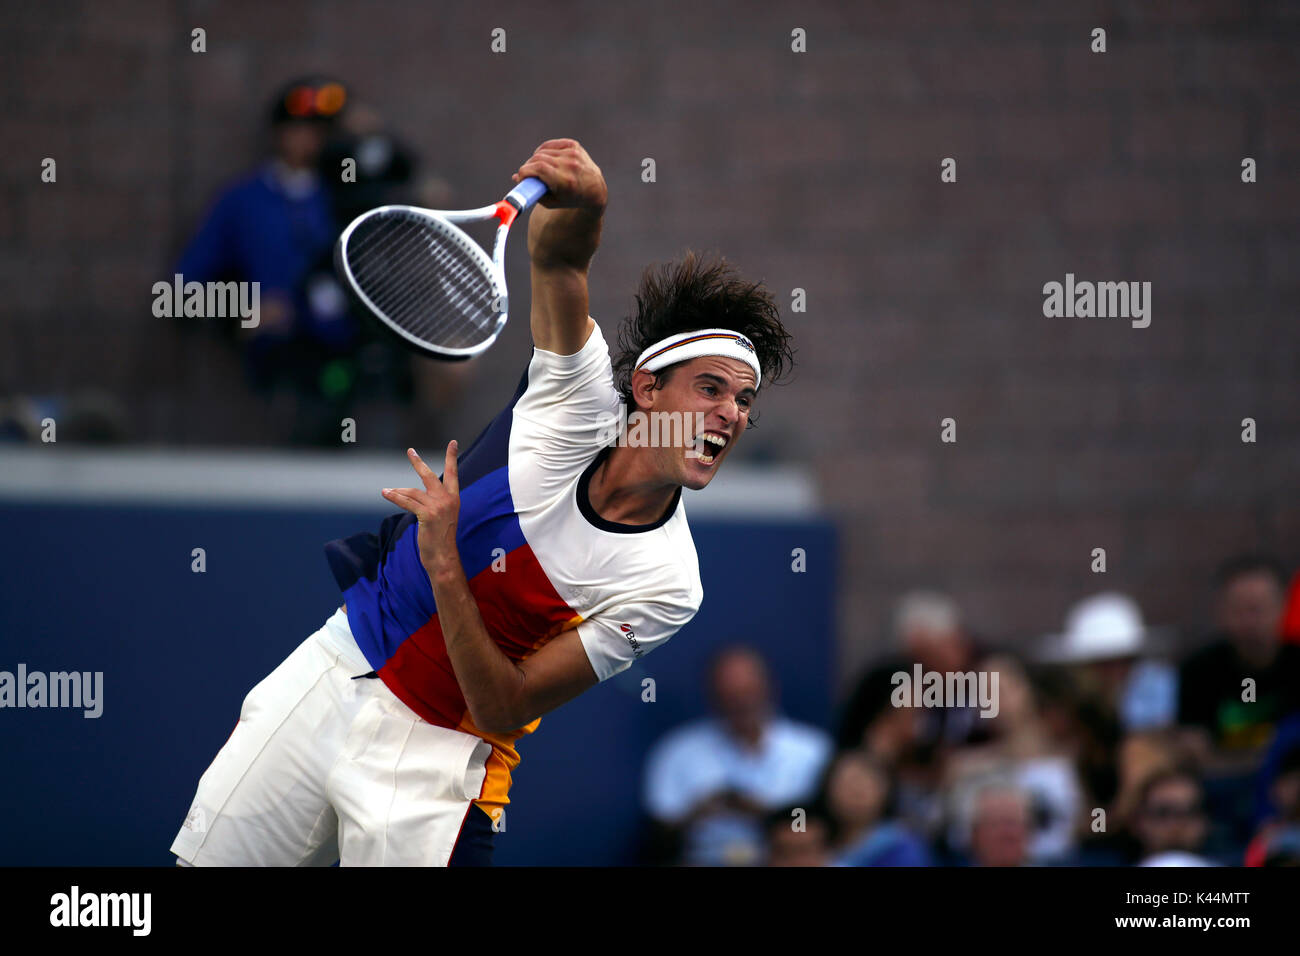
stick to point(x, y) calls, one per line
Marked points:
point(425, 280)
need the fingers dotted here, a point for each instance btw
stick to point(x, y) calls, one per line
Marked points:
point(544, 170)
point(404, 499)
point(450, 482)
point(450, 478)
point(571, 177)
point(415, 501)
point(424, 471)
point(555, 149)
point(545, 156)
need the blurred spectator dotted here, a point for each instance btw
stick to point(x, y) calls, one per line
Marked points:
point(1113, 656)
point(1138, 758)
point(1085, 729)
point(272, 224)
point(857, 796)
point(1170, 825)
point(1249, 602)
point(891, 736)
point(997, 823)
point(1022, 749)
point(797, 844)
point(872, 723)
point(1284, 794)
point(308, 356)
point(928, 631)
point(710, 783)
point(911, 742)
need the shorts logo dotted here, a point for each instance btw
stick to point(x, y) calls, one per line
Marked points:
point(630, 635)
point(196, 820)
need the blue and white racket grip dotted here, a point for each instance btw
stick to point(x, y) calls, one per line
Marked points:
point(526, 194)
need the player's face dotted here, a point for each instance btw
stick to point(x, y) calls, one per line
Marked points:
point(717, 393)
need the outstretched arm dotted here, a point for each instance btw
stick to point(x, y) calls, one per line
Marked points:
point(563, 233)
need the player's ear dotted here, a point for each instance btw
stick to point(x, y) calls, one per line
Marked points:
point(643, 389)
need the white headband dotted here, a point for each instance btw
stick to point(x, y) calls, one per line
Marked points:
point(688, 345)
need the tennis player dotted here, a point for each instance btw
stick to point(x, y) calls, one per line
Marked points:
point(548, 558)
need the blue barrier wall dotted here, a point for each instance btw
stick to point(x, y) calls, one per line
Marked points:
point(95, 588)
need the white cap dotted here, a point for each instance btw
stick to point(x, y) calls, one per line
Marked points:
point(1102, 627)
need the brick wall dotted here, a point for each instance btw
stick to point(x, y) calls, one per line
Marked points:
point(816, 170)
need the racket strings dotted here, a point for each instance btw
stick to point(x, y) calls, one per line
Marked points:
point(407, 263)
point(393, 253)
point(426, 283)
point(424, 279)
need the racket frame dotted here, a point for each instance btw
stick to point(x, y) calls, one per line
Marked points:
point(519, 199)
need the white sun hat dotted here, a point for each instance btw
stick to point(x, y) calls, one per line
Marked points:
point(1103, 627)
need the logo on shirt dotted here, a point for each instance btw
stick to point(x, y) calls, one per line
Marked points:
point(630, 635)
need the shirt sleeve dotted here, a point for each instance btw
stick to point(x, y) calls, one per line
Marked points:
point(615, 638)
point(570, 402)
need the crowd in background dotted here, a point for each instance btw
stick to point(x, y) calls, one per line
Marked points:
point(1112, 744)
point(310, 358)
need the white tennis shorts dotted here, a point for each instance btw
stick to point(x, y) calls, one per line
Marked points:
point(322, 767)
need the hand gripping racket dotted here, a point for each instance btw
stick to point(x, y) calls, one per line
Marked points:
point(426, 280)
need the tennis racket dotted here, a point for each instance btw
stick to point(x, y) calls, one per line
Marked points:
point(425, 279)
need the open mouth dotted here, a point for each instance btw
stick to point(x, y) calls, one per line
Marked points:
point(709, 446)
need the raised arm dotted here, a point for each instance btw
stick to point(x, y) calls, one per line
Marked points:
point(563, 233)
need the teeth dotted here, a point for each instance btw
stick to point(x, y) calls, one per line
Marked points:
point(714, 444)
point(707, 446)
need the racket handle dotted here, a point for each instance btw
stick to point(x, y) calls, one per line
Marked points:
point(527, 193)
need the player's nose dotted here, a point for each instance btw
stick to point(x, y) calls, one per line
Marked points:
point(728, 410)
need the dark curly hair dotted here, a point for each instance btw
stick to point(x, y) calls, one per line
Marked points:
point(701, 292)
